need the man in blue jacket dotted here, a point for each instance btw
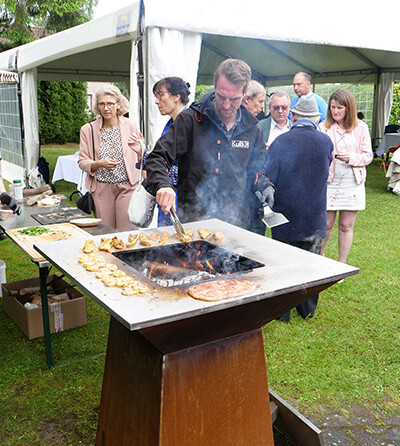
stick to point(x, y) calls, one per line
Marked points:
point(297, 165)
point(220, 151)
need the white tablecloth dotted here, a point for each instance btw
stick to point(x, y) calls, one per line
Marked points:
point(67, 169)
point(388, 140)
point(393, 172)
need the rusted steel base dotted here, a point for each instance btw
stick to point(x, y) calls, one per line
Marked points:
point(293, 424)
point(213, 394)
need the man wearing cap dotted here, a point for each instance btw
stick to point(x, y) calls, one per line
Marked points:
point(297, 165)
point(301, 86)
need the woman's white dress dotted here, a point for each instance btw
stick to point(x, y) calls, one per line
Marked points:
point(344, 194)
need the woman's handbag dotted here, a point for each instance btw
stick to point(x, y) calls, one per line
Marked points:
point(142, 203)
point(85, 201)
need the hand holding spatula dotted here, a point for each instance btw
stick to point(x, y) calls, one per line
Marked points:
point(271, 218)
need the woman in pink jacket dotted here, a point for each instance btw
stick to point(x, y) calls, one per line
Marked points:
point(109, 159)
point(347, 173)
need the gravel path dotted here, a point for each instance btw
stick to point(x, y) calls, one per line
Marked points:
point(359, 428)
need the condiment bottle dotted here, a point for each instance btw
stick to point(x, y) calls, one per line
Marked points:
point(18, 191)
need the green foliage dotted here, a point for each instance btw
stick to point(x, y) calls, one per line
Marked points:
point(62, 111)
point(395, 113)
point(62, 105)
point(17, 16)
point(201, 90)
point(123, 88)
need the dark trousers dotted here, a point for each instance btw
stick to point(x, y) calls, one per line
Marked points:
point(307, 308)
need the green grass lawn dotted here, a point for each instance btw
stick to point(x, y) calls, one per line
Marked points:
point(348, 354)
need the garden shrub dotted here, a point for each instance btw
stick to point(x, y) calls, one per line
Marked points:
point(62, 111)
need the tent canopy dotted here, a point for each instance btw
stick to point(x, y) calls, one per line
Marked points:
point(327, 45)
point(188, 39)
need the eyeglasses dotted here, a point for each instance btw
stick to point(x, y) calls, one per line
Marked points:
point(277, 107)
point(160, 94)
point(106, 104)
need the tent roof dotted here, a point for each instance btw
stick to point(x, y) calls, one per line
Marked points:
point(332, 44)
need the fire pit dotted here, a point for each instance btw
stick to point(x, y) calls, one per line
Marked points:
point(186, 263)
point(180, 371)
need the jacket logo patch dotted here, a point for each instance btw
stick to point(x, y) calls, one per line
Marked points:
point(240, 144)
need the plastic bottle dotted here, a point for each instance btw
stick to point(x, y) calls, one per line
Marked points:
point(18, 191)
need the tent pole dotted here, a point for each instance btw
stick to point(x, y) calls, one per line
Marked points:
point(375, 108)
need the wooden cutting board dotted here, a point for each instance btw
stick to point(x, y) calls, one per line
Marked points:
point(60, 231)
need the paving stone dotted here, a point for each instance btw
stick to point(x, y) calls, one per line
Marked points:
point(360, 427)
point(394, 435)
point(365, 437)
point(336, 437)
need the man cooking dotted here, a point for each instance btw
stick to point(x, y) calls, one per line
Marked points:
point(220, 150)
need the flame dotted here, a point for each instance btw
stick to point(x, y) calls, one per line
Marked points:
point(209, 265)
point(199, 264)
point(151, 270)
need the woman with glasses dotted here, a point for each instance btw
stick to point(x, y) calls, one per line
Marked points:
point(109, 158)
point(171, 97)
point(347, 174)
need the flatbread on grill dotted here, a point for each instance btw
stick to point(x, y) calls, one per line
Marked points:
point(221, 289)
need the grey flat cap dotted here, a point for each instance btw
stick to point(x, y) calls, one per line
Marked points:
point(306, 107)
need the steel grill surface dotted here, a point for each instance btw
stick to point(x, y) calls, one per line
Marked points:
point(287, 269)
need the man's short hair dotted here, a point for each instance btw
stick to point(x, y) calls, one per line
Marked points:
point(236, 71)
point(306, 76)
point(279, 94)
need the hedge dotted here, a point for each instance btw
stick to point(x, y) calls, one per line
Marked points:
point(62, 111)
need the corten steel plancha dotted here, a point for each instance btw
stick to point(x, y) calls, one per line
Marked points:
point(182, 371)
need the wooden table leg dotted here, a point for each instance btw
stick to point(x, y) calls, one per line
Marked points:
point(211, 394)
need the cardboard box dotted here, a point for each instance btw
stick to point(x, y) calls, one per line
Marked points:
point(62, 315)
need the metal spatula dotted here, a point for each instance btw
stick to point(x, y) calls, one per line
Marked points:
point(272, 219)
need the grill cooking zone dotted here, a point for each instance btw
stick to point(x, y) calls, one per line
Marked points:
point(186, 263)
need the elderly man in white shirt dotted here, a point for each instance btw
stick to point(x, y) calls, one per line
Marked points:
point(278, 122)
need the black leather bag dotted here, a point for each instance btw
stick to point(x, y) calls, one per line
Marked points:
point(85, 201)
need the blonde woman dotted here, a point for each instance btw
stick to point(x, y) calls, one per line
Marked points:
point(347, 174)
point(109, 159)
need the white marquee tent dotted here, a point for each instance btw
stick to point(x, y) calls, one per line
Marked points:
point(145, 41)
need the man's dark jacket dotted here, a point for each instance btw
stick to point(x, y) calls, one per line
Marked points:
point(297, 164)
point(216, 176)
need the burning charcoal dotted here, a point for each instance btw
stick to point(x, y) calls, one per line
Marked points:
point(185, 263)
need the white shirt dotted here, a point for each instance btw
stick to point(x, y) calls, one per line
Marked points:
point(275, 131)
